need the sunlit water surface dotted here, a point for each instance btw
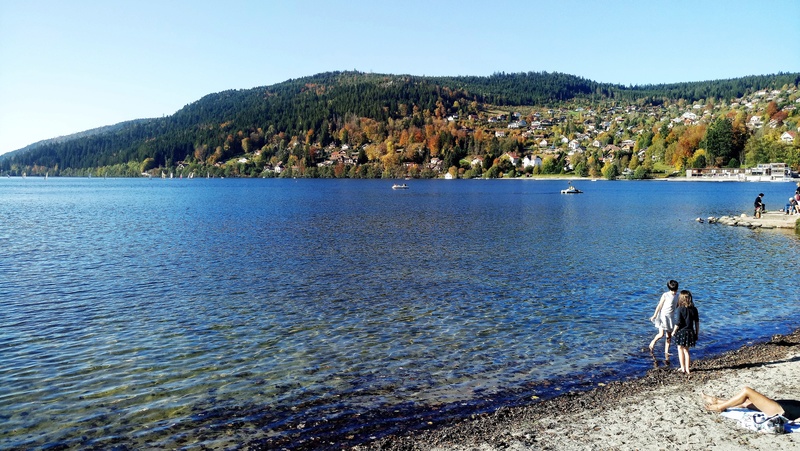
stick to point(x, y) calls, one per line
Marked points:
point(191, 313)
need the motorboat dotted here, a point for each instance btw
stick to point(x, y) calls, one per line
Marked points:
point(396, 186)
point(571, 190)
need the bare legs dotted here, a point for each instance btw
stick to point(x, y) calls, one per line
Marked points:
point(667, 341)
point(746, 398)
point(661, 333)
point(683, 356)
point(655, 340)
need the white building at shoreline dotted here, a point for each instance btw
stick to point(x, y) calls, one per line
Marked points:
point(767, 172)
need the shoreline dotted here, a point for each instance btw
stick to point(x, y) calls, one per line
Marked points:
point(661, 408)
point(556, 177)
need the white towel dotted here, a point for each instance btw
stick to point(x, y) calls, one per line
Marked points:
point(738, 413)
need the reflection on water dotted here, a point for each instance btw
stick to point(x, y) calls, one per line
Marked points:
point(211, 312)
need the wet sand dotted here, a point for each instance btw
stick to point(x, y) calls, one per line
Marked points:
point(662, 410)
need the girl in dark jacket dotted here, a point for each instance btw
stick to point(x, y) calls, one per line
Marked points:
point(687, 329)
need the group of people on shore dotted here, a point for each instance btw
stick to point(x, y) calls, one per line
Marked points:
point(685, 331)
point(792, 206)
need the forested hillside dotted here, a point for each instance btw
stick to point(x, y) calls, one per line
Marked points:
point(371, 125)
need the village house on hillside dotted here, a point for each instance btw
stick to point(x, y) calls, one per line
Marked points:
point(531, 161)
point(589, 134)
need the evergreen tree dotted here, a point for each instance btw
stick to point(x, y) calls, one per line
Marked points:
point(719, 142)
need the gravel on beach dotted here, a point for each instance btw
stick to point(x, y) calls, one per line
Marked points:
point(661, 410)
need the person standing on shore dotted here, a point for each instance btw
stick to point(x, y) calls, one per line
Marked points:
point(797, 197)
point(664, 318)
point(758, 205)
point(687, 329)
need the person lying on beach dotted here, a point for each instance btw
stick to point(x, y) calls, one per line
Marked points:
point(751, 399)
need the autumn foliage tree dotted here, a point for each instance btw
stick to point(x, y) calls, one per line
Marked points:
point(772, 108)
point(687, 143)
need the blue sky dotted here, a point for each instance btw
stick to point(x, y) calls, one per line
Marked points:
point(68, 66)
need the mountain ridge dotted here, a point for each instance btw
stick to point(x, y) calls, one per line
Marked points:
point(311, 110)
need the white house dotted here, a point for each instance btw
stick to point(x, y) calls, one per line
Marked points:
point(769, 172)
point(512, 157)
point(529, 161)
point(689, 116)
point(788, 137)
point(755, 121)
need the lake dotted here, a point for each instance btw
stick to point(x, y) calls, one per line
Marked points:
point(209, 313)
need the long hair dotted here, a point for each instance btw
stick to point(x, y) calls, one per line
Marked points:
point(685, 299)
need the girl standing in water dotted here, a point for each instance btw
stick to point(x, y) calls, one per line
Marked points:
point(663, 317)
point(687, 329)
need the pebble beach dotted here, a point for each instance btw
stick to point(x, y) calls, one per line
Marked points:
point(662, 410)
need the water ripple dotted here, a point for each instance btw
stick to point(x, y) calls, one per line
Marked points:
point(211, 313)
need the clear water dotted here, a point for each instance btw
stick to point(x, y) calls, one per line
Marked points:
point(191, 313)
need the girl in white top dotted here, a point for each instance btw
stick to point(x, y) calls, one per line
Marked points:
point(663, 318)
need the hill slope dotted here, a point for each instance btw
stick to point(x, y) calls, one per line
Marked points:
point(316, 111)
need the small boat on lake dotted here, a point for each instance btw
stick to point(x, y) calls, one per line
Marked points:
point(396, 186)
point(571, 190)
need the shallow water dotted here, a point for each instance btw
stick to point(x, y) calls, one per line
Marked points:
point(189, 313)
